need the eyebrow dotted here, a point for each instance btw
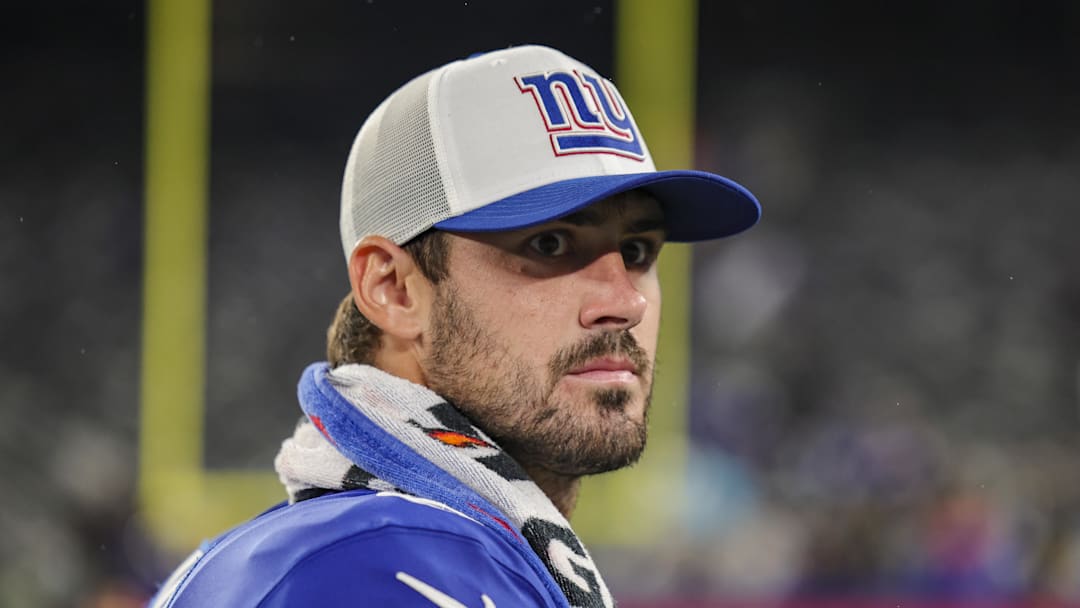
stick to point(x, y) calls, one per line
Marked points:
point(592, 217)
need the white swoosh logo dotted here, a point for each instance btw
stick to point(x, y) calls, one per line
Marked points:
point(437, 597)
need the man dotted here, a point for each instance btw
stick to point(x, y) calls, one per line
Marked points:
point(501, 220)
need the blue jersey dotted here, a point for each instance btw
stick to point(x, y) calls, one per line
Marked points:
point(357, 548)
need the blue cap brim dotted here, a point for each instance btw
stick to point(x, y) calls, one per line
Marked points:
point(697, 205)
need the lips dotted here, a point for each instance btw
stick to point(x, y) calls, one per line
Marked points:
point(606, 369)
point(606, 364)
point(606, 358)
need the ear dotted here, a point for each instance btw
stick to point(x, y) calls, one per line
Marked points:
point(388, 288)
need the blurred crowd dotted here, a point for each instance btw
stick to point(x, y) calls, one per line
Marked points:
point(885, 371)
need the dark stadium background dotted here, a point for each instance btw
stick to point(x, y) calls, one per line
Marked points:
point(885, 397)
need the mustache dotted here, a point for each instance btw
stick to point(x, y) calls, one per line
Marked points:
point(600, 345)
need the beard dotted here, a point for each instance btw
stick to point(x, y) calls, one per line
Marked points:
point(468, 366)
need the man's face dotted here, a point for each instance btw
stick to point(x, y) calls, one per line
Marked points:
point(546, 336)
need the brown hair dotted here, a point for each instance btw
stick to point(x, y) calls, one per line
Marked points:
point(351, 337)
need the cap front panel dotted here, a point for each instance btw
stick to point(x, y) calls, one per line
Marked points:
point(523, 118)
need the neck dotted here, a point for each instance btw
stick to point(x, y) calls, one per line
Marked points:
point(562, 490)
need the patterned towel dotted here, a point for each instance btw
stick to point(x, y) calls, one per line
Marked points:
point(369, 429)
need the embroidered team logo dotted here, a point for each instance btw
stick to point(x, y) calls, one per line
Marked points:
point(583, 114)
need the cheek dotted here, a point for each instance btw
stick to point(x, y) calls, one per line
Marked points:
point(538, 314)
point(647, 332)
point(526, 319)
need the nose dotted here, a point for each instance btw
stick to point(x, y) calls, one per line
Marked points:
point(612, 301)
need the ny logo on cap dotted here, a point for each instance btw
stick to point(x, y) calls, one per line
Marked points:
point(584, 114)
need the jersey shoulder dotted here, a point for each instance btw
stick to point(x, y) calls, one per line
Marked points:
point(382, 548)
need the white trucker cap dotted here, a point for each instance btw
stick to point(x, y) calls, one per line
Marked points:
point(510, 139)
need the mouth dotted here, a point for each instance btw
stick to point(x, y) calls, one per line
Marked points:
point(606, 370)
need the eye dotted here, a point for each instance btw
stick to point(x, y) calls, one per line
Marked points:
point(637, 252)
point(550, 244)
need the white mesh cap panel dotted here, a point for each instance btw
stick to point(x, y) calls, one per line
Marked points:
point(392, 185)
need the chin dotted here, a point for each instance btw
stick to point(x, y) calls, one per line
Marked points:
point(607, 396)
